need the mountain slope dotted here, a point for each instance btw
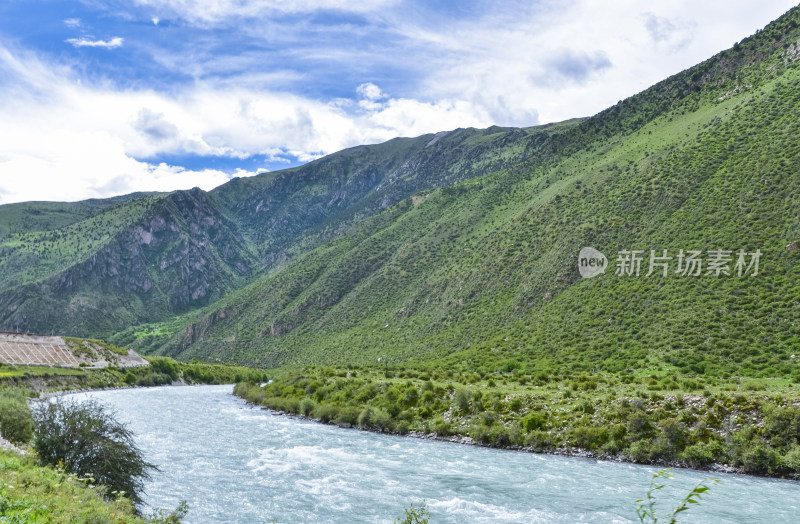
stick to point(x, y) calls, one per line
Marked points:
point(96, 267)
point(484, 273)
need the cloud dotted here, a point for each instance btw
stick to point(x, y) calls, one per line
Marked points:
point(674, 34)
point(73, 22)
point(84, 140)
point(221, 12)
point(85, 42)
point(370, 91)
point(574, 66)
point(299, 79)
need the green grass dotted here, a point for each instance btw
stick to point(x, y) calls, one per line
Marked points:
point(38, 371)
point(33, 494)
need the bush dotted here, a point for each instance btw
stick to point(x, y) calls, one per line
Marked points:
point(639, 451)
point(441, 427)
point(782, 425)
point(590, 437)
point(165, 366)
point(533, 421)
point(415, 515)
point(89, 442)
point(461, 400)
point(307, 406)
point(759, 458)
point(538, 440)
point(16, 421)
point(791, 460)
point(703, 453)
point(325, 412)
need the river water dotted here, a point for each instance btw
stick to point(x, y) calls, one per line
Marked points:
point(236, 463)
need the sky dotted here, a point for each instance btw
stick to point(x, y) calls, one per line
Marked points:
point(102, 98)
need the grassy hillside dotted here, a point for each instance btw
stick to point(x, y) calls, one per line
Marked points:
point(483, 274)
point(96, 267)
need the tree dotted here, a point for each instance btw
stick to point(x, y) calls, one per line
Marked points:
point(88, 441)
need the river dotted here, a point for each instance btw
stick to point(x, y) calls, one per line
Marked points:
point(236, 463)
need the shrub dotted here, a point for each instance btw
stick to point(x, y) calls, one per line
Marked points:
point(639, 426)
point(88, 441)
point(166, 366)
point(461, 400)
point(347, 415)
point(671, 439)
point(639, 451)
point(703, 453)
point(16, 421)
point(538, 440)
point(759, 458)
point(364, 418)
point(307, 406)
point(791, 460)
point(590, 437)
point(782, 425)
point(441, 428)
point(415, 514)
point(534, 421)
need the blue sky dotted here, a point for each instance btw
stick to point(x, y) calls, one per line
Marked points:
point(107, 97)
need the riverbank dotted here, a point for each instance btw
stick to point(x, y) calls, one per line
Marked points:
point(560, 452)
point(708, 424)
point(45, 382)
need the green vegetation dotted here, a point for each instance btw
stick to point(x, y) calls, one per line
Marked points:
point(646, 509)
point(35, 494)
point(481, 275)
point(89, 468)
point(415, 514)
point(16, 422)
point(87, 440)
point(93, 348)
point(657, 418)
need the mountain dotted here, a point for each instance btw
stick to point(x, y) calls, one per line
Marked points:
point(96, 267)
point(483, 274)
point(463, 248)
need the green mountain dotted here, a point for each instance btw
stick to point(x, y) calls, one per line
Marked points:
point(96, 267)
point(483, 274)
point(462, 247)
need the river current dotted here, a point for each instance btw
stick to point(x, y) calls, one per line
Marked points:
point(237, 463)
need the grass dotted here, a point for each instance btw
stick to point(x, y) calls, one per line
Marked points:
point(33, 494)
point(39, 371)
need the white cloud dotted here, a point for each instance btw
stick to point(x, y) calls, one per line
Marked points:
point(86, 42)
point(73, 22)
point(514, 63)
point(370, 91)
point(81, 140)
point(66, 137)
point(213, 12)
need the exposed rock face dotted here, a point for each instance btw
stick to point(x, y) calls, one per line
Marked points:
point(182, 254)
